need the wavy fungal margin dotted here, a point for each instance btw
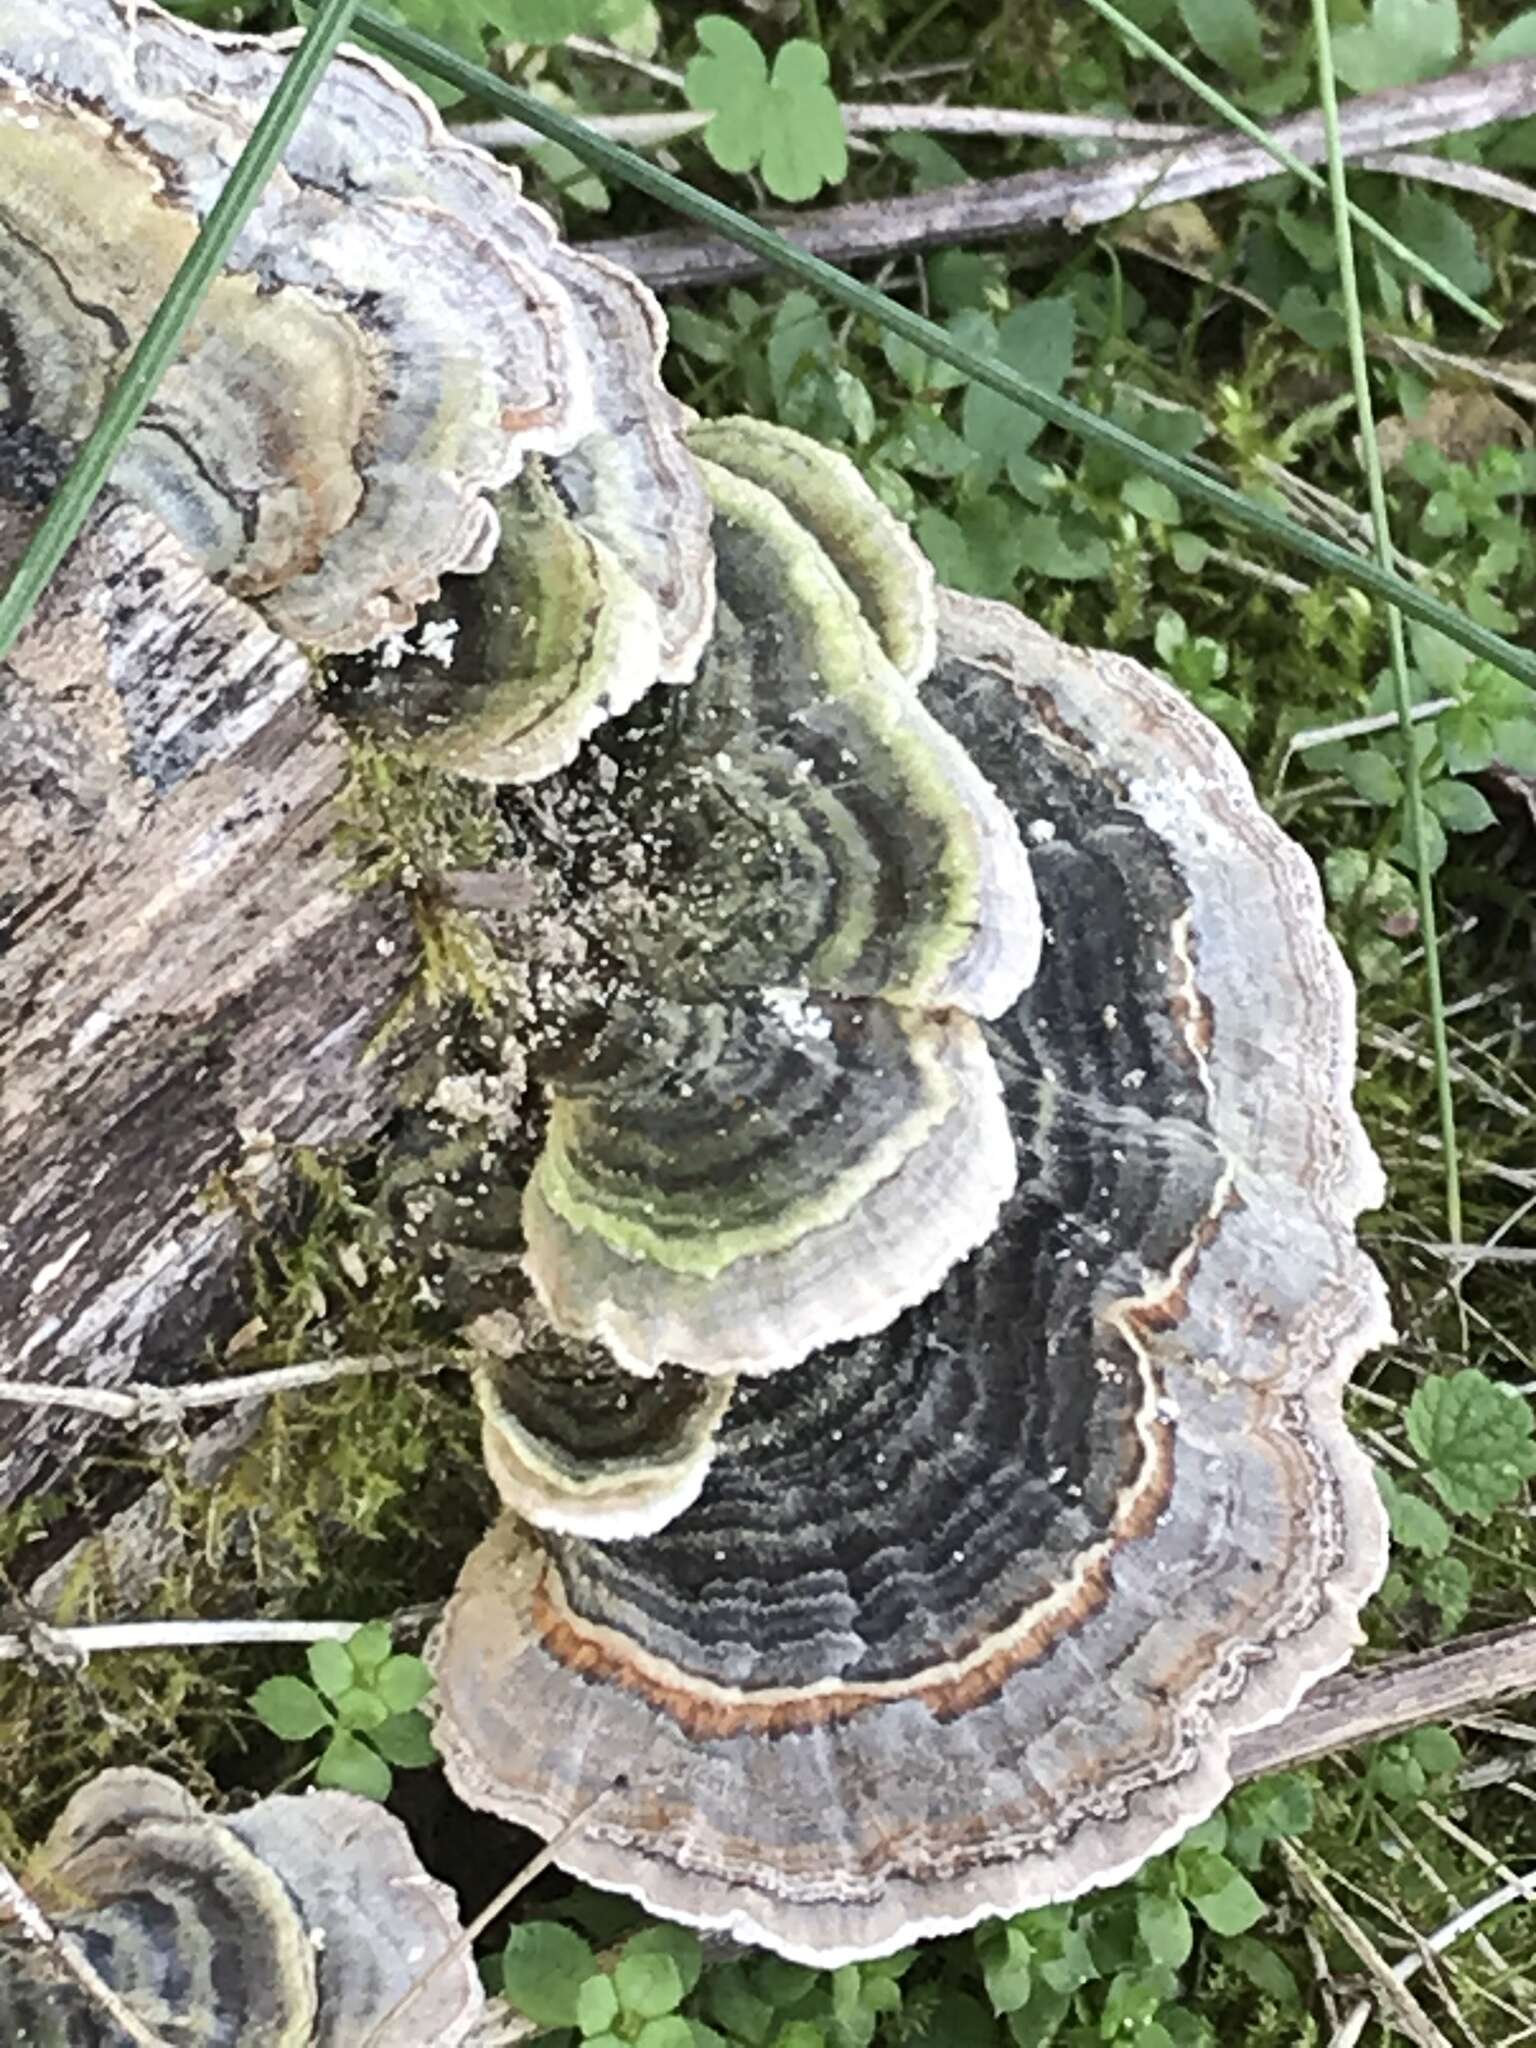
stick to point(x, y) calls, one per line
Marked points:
point(888, 1677)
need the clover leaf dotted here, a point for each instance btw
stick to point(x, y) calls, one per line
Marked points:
point(366, 1699)
point(1403, 42)
point(785, 120)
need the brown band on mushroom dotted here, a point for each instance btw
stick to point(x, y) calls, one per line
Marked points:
point(1176, 1273)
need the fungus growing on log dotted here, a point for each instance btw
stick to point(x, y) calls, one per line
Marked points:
point(301, 1923)
point(969, 1612)
point(1020, 1188)
point(398, 331)
point(774, 1121)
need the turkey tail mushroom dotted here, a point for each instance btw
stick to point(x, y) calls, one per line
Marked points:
point(398, 331)
point(969, 1612)
point(300, 1923)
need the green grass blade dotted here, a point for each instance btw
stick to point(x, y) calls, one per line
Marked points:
point(1234, 117)
point(162, 337)
point(609, 159)
point(1382, 532)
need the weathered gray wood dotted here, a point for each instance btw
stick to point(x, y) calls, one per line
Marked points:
point(1084, 195)
point(1463, 1677)
point(186, 981)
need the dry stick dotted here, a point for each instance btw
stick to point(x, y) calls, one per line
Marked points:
point(1401, 1692)
point(77, 1644)
point(1403, 2006)
point(1086, 194)
point(17, 1901)
point(476, 1927)
point(1436, 1944)
point(1440, 170)
point(868, 117)
point(139, 1401)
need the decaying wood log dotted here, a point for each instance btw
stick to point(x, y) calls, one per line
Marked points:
point(1400, 1693)
point(186, 981)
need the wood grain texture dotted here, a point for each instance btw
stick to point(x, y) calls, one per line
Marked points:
point(1084, 195)
point(186, 979)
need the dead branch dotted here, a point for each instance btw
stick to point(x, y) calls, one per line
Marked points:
point(1404, 2008)
point(141, 1401)
point(1083, 195)
point(1399, 1693)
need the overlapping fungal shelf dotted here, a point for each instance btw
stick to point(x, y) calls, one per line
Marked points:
point(398, 331)
point(969, 1609)
point(301, 1923)
point(913, 1316)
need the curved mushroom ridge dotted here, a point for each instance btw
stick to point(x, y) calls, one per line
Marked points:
point(966, 1618)
point(574, 1442)
point(196, 1933)
point(397, 330)
point(298, 1924)
point(785, 1129)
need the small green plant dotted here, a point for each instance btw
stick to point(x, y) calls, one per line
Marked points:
point(1476, 1441)
point(1197, 664)
point(1401, 1772)
point(784, 121)
point(366, 1700)
point(553, 1976)
point(1489, 718)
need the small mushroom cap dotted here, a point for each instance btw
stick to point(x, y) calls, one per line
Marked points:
point(396, 332)
point(833, 836)
point(969, 1612)
point(553, 637)
point(377, 1922)
point(573, 1442)
point(875, 554)
point(300, 1923)
point(630, 482)
point(754, 1180)
point(194, 1931)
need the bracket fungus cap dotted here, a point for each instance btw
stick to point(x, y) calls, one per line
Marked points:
point(969, 1612)
point(795, 1129)
point(397, 331)
point(297, 1924)
point(574, 1442)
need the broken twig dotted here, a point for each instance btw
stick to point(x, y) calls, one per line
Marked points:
point(1083, 195)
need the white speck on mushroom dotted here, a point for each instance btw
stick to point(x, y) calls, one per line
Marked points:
point(1040, 831)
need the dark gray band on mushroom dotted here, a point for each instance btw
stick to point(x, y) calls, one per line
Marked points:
point(735, 1183)
point(574, 1442)
point(1124, 1520)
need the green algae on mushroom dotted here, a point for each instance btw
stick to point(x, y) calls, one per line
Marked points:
point(890, 577)
point(748, 1181)
point(969, 1612)
point(297, 1924)
point(816, 827)
point(515, 667)
point(786, 893)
